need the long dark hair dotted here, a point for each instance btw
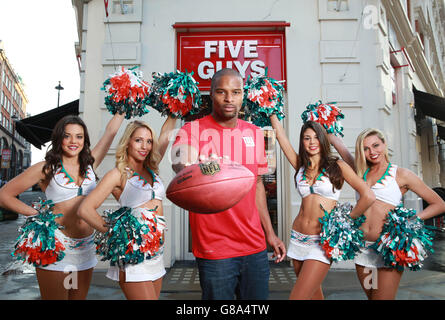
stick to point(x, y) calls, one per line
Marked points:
point(328, 162)
point(53, 157)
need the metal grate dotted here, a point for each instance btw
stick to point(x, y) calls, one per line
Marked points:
point(186, 278)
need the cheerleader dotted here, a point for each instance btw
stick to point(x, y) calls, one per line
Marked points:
point(66, 176)
point(389, 183)
point(135, 183)
point(319, 179)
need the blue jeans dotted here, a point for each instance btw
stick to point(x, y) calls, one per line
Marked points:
point(245, 277)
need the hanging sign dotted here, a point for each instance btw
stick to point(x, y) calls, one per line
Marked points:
point(250, 53)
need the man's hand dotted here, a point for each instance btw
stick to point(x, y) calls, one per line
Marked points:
point(279, 249)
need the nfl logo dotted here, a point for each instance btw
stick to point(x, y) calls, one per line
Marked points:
point(209, 168)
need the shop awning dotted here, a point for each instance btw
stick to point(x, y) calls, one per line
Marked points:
point(37, 129)
point(429, 104)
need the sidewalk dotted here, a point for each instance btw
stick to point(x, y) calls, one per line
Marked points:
point(182, 283)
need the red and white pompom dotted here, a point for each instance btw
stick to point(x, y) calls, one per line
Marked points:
point(37, 243)
point(126, 91)
point(326, 114)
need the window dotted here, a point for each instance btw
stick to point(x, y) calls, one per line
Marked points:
point(123, 7)
point(338, 5)
point(392, 72)
point(408, 9)
point(392, 37)
point(419, 31)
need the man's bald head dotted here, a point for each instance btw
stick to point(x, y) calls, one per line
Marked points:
point(224, 72)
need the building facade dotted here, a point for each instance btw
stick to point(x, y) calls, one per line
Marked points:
point(364, 55)
point(15, 151)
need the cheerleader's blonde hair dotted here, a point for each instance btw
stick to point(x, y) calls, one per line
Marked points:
point(153, 158)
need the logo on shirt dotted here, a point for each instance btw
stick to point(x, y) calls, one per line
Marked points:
point(249, 141)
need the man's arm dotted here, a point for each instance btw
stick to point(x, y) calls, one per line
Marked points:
point(261, 203)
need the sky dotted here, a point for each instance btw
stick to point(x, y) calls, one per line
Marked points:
point(38, 38)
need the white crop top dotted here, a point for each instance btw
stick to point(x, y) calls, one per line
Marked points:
point(386, 189)
point(138, 191)
point(322, 186)
point(62, 187)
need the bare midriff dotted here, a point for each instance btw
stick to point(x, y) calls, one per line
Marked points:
point(307, 222)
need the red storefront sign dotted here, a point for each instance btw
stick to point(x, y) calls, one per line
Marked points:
point(250, 53)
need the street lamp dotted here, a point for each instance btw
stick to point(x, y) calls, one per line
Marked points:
point(58, 88)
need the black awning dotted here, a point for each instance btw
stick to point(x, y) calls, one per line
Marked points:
point(37, 129)
point(429, 104)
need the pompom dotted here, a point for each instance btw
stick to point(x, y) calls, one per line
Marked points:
point(125, 92)
point(340, 235)
point(326, 114)
point(404, 240)
point(36, 243)
point(175, 94)
point(263, 96)
point(130, 240)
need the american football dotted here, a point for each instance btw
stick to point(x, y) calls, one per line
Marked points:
point(210, 187)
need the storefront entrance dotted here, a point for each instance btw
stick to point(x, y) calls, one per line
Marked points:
point(253, 49)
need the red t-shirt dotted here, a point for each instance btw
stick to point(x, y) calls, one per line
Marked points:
point(236, 231)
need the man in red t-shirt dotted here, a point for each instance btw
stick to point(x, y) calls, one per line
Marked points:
point(230, 246)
